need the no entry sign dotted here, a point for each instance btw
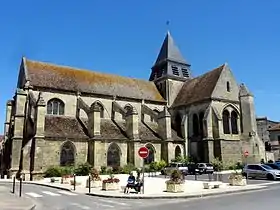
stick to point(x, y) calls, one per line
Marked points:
point(246, 153)
point(143, 152)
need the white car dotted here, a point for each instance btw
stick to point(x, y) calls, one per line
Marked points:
point(261, 171)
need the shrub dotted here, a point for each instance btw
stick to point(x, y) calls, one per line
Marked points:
point(67, 170)
point(103, 170)
point(54, 171)
point(217, 164)
point(128, 168)
point(175, 177)
point(83, 169)
point(161, 165)
point(95, 175)
point(117, 170)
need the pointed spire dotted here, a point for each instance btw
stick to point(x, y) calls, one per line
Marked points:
point(170, 51)
point(244, 91)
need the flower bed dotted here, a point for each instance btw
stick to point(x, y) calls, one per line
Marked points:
point(111, 183)
point(176, 182)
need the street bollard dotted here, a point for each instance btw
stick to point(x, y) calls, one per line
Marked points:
point(74, 182)
point(89, 180)
point(210, 177)
point(195, 176)
point(14, 184)
point(20, 186)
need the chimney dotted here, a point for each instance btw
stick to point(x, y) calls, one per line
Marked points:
point(94, 120)
point(164, 124)
point(132, 123)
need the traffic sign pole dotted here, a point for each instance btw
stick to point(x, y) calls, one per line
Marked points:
point(143, 152)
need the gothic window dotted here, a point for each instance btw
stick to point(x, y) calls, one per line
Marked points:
point(151, 157)
point(175, 70)
point(228, 87)
point(178, 152)
point(201, 116)
point(234, 126)
point(226, 122)
point(67, 155)
point(113, 155)
point(195, 125)
point(55, 107)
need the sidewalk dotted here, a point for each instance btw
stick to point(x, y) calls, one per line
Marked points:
point(10, 201)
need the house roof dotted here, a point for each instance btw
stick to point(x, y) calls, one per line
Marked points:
point(53, 76)
point(275, 128)
point(70, 127)
point(199, 88)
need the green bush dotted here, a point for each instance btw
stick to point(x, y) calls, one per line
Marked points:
point(217, 164)
point(53, 172)
point(83, 169)
point(128, 168)
point(117, 170)
point(103, 170)
point(161, 165)
point(67, 170)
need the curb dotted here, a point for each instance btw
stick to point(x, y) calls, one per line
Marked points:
point(41, 184)
point(176, 196)
point(33, 207)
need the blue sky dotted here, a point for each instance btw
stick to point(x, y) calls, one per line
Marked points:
point(124, 37)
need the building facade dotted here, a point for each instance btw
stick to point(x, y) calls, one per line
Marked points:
point(61, 115)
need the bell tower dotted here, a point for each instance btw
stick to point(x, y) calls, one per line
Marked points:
point(170, 70)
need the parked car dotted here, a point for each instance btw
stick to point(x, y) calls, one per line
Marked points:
point(205, 168)
point(193, 169)
point(173, 166)
point(261, 171)
point(273, 165)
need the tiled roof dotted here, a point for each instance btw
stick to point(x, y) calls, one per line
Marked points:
point(70, 127)
point(275, 128)
point(67, 78)
point(199, 88)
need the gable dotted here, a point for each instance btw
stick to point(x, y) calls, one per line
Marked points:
point(225, 81)
point(198, 89)
point(46, 75)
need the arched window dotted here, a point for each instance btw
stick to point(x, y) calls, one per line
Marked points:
point(234, 126)
point(101, 109)
point(55, 107)
point(178, 121)
point(201, 116)
point(113, 155)
point(178, 152)
point(151, 157)
point(195, 125)
point(67, 155)
point(226, 122)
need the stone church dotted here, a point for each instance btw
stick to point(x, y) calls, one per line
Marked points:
point(62, 115)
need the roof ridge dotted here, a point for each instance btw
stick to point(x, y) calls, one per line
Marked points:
point(85, 70)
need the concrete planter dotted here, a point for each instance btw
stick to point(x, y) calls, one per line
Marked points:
point(65, 180)
point(110, 186)
point(237, 180)
point(174, 188)
point(77, 183)
point(93, 184)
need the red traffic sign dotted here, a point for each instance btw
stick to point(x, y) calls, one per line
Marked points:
point(246, 153)
point(143, 152)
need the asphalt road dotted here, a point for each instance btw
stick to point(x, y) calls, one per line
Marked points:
point(47, 198)
point(257, 200)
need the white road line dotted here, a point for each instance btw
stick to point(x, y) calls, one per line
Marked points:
point(35, 195)
point(113, 202)
point(66, 192)
point(80, 206)
point(50, 193)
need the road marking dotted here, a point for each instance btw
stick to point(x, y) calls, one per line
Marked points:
point(35, 195)
point(50, 193)
point(80, 206)
point(114, 202)
point(66, 192)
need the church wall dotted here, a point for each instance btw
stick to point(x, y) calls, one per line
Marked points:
point(70, 102)
point(173, 89)
point(230, 150)
point(52, 150)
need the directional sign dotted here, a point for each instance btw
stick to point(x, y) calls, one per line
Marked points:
point(246, 153)
point(143, 152)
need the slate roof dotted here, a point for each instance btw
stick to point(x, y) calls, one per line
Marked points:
point(48, 75)
point(70, 127)
point(275, 128)
point(199, 88)
point(170, 51)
